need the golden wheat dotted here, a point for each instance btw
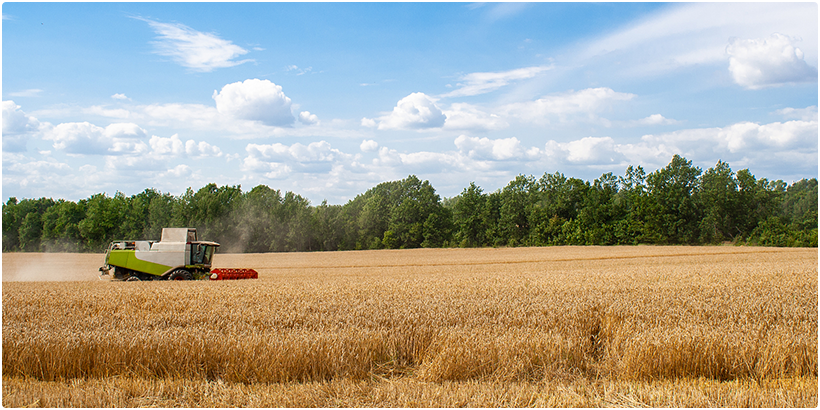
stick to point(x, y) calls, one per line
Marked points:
point(488, 317)
point(407, 392)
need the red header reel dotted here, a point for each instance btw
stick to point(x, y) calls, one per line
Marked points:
point(231, 274)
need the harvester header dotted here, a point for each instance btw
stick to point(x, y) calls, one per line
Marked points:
point(178, 255)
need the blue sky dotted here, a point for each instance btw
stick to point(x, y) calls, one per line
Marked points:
point(329, 99)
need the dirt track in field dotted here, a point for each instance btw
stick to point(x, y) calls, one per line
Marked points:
point(41, 267)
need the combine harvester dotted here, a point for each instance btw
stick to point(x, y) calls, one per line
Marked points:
point(177, 256)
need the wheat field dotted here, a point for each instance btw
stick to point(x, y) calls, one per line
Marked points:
point(509, 327)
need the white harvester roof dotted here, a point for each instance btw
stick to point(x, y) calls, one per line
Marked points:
point(183, 235)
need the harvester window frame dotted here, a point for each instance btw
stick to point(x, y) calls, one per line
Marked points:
point(202, 252)
point(198, 254)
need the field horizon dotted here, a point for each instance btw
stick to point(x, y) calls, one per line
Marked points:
point(660, 326)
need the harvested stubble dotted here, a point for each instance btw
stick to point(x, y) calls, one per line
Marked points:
point(525, 315)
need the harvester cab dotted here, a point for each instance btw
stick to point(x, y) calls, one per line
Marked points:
point(178, 255)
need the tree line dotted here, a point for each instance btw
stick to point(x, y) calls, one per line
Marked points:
point(678, 204)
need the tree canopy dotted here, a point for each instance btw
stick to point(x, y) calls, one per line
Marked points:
point(677, 204)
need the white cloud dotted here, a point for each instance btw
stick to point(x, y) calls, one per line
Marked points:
point(194, 49)
point(24, 174)
point(31, 92)
point(119, 96)
point(744, 144)
point(122, 150)
point(39, 167)
point(655, 119)
point(124, 130)
point(587, 150)
point(207, 119)
point(179, 171)
point(463, 116)
point(416, 111)
point(392, 162)
point(107, 112)
point(688, 34)
point(419, 111)
point(270, 170)
point(256, 100)
point(789, 134)
point(297, 70)
point(501, 158)
point(763, 148)
point(33, 173)
point(588, 101)
point(740, 138)
point(127, 142)
point(315, 151)
point(279, 160)
point(86, 138)
point(79, 138)
point(499, 11)
point(430, 162)
point(174, 147)
point(134, 166)
point(128, 147)
point(176, 115)
point(388, 158)
point(369, 146)
point(773, 61)
point(480, 83)
point(805, 114)
point(17, 127)
point(305, 117)
point(201, 149)
point(15, 121)
point(503, 149)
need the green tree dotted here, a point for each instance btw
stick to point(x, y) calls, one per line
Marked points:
point(633, 198)
point(794, 222)
point(800, 203)
point(104, 217)
point(160, 214)
point(438, 228)
point(492, 217)
point(469, 217)
point(601, 211)
point(23, 223)
point(673, 212)
point(514, 221)
point(675, 204)
point(210, 210)
point(260, 217)
point(417, 201)
point(719, 203)
point(554, 201)
point(374, 217)
point(329, 226)
point(12, 218)
point(348, 222)
point(297, 215)
point(61, 226)
point(30, 231)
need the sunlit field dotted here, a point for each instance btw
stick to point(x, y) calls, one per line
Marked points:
point(515, 327)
